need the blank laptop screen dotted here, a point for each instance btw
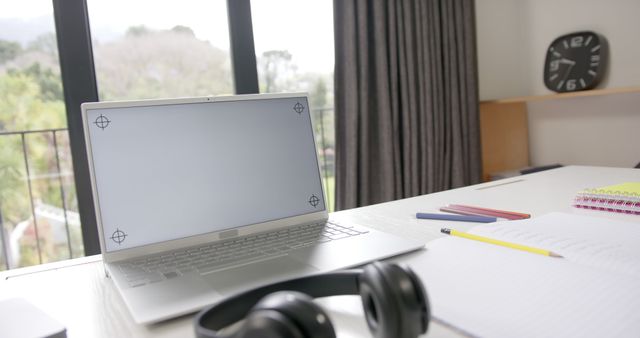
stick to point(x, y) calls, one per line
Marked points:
point(172, 171)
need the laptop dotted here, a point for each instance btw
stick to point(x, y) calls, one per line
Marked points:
point(200, 198)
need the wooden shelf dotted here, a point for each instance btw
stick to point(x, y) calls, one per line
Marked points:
point(593, 92)
point(504, 128)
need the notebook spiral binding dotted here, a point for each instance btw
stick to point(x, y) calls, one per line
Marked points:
point(608, 200)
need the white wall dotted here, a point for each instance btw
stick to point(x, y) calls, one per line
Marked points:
point(513, 36)
point(503, 60)
point(595, 130)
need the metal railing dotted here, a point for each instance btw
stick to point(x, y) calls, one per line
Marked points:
point(325, 158)
point(6, 244)
point(326, 162)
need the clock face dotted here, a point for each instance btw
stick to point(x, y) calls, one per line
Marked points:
point(575, 62)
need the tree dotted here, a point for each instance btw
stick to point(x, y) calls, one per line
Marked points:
point(156, 64)
point(183, 30)
point(45, 43)
point(319, 93)
point(23, 108)
point(48, 81)
point(277, 70)
point(9, 50)
point(137, 31)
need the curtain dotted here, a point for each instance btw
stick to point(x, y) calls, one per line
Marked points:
point(406, 99)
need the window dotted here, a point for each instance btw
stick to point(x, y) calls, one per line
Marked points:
point(39, 219)
point(155, 49)
point(294, 50)
point(141, 49)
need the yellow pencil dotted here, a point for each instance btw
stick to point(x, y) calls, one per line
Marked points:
point(499, 242)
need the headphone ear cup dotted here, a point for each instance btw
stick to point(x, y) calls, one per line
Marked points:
point(297, 312)
point(421, 297)
point(395, 302)
point(268, 324)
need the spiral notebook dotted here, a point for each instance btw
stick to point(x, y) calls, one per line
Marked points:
point(622, 198)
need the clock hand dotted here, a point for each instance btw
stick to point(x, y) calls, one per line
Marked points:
point(566, 74)
point(567, 61)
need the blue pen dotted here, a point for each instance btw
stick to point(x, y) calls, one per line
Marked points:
point(460, 218)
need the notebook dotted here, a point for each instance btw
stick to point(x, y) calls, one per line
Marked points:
point(199, 198)
point(488, 290)
point(622, 198)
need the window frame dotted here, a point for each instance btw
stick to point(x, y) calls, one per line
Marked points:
point(79, 84)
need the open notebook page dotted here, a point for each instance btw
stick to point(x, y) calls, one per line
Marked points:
point(602, 243)
point(488, 290)
point(492, 291)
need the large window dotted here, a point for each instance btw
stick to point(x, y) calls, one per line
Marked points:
point(160, 49)
point(136, 49)
point(294, 50)
point(39, 219)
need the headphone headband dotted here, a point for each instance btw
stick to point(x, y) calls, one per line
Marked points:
point(225, 313)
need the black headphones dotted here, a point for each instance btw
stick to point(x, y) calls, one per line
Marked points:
point(394, 299)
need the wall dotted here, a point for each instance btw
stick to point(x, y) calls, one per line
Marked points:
point(595, 130)
point(513, 36)
point(503, 60)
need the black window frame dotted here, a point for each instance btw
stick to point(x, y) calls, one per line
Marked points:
point(79, 82)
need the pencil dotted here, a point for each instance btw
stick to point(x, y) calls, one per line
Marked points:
point(499, 242)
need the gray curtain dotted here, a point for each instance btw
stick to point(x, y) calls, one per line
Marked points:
point(406, 99)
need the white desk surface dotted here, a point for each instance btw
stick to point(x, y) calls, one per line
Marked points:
point(76, 292)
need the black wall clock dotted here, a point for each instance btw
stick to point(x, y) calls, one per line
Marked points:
point(575, 61)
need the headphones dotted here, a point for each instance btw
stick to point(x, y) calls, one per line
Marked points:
point(394, 299)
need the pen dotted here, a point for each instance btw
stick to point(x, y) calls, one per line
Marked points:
point(460, 218)
point(499, 242)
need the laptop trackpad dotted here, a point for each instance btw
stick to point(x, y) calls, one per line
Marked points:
point(245, 277)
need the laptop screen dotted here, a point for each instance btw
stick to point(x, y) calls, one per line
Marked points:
point(165, 172)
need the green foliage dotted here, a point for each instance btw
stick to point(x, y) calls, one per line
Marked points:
point(183, 30)
point(142, 64)
point(22, 107)
point(276, 67)
point(25, 106)
point(49, 82)
point(47, 44)
point(137, 31)
point(13, 190)
point(31, 98)
point(9, 50)
point(160, 64)
point(319, 94)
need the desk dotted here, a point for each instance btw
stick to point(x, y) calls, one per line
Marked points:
point(76, 292)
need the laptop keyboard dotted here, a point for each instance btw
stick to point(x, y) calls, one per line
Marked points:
point(232, 253)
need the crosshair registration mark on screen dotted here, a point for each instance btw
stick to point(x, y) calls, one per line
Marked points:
point(314, 200)
point(102, 122)
point(298, 107)
point(118, 236)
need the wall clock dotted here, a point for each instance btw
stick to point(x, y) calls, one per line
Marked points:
point(575, 61)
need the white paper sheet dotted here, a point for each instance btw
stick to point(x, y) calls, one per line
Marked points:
point(599, 242)
point(492, 291)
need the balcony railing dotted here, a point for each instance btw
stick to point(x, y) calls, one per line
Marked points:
point(39, 221)
point(41, 228)
point(326, 150)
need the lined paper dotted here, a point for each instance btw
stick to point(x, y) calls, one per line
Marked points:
point(598, 242)
point(492, 291)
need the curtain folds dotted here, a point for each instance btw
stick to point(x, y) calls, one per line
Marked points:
point(406, 99)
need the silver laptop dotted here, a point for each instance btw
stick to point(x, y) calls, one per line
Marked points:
point(199, 198)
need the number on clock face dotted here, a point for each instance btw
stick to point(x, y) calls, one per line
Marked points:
point(574, 62)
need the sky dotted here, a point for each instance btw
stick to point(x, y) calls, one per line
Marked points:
point(303, 27)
